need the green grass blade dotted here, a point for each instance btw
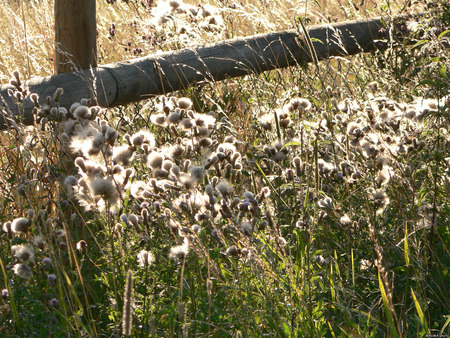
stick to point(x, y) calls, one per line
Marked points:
point(386, 308)
point(12, 303)
point(420, 312)
point(406, 246)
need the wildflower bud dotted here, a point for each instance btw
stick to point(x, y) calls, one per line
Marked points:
point(228, 170)
point(124, 219)
point(94, 112)
point(345, 220)
point(233, 251)
point(186, 165)
point(184, 102)
point(73, 107)
point(289, 175)
point(118, 228)
point(407, 170)
point(20, 225)
point(159, 119)
point(157, 206)
point(263, 225)
point(187, 123)
point(155, 160)
point(53, 302)
point(47, 261)
point(30, 213)
point(269, 218)
point(263, 194)
point(235, 202)
point(43, 123)
point(225, 188)
point(20, 191)
point(127, 138)
point(173, 130)
point(281, 241)
point(421, 145)
point(81, 112)
point(174, 117)
point(63, 245)
point(7, 229)
point(180, 252)
point(129, 172)
point(146, 148)
point(217, 169)
point(23, 271)
point(155, 186)
point(205, 142)
point(79, 161)
point(209, 190)
point(196, 228)
point(144, 215)
point(35, 98)
point(58, 94)
point(18, 96)
point(134, 220)
point(147, 194)
point(235, 157)
point(39, 243)
point(51, 278)
point(16, 75)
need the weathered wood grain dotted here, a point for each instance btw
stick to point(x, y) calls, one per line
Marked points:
point(75, 35)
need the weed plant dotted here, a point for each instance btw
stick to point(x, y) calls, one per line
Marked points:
point(311, 201)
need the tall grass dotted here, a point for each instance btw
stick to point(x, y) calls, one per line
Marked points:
point(310, 201)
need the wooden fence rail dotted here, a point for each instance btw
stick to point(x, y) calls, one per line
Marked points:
point(129, 81)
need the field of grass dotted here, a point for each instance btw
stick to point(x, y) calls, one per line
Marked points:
point(303, 202)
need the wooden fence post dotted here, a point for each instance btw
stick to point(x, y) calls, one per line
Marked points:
point(75, 35)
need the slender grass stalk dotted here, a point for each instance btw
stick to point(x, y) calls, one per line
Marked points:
point(26, 39)
point(447, 322)
point(353, 270)
point(127, 313)
point(181, 305)
point(74, 295)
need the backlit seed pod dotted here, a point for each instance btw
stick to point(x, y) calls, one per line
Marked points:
point(20, 225)
point(233, 251)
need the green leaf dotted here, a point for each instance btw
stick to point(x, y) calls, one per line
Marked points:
point(443, 71)
point(292, 143)
point(316, 40)
point(286, 329)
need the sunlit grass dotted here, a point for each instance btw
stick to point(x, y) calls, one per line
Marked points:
point(309, 201)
